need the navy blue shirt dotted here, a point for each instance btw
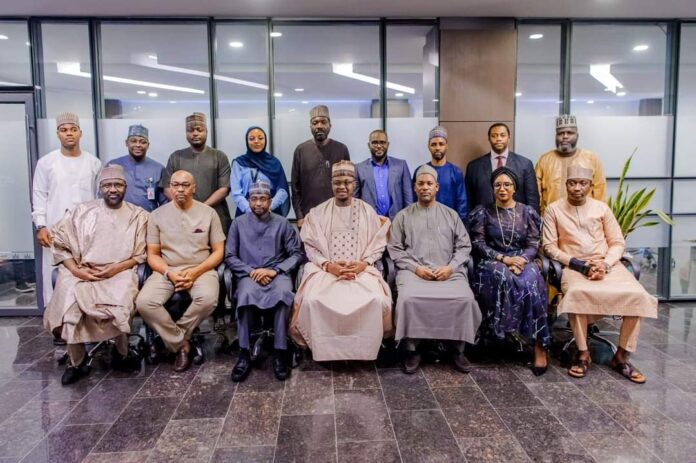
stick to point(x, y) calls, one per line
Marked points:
point(141, 175)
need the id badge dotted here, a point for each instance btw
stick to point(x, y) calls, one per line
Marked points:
point(151, 193)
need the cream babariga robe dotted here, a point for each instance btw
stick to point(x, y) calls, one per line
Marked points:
point(591, 232)
point(95, 236)
point(342, 319)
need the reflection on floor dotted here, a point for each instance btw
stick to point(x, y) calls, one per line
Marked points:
point(351, 411)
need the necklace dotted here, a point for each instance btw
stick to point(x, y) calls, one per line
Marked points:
point(502, 233)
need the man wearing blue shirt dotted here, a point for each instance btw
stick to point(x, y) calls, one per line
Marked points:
point(452, 191)
point(383, 181)
point(142, 173)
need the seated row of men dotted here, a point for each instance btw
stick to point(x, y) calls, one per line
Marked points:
point(342, 309)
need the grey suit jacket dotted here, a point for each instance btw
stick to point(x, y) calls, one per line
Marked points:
point(478, 181)
point(399, 184)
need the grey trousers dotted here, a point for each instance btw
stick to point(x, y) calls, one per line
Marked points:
point(245, 318)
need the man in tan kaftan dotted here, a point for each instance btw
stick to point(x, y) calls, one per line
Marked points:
point(99, 243)
point(583, 235)
point(552, 165)
point(343, 305)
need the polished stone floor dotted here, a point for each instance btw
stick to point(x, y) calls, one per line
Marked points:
point(351, 412)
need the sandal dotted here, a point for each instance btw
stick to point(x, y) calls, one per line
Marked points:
point(579, 369)
point(629, 372)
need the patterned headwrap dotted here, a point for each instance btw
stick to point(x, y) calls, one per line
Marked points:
point(505, 171)
point(260, 188)
point(67, 118)
point(565, 121)
point(438, 132)
point(343, 168)
point(195, 119)
point(138, 130)
point(425, 169)
point(319, 111)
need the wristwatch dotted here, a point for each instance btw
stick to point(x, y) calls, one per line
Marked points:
point(325, 266)
point(40, 227)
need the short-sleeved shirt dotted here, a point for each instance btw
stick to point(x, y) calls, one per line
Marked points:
point(185, 236)
point(211, 171)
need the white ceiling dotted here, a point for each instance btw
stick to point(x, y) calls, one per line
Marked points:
point(358, 8)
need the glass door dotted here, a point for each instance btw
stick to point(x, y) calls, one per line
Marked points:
point(19, 291)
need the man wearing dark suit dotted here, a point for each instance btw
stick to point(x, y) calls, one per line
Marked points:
point(478, 172)
point(381, 181)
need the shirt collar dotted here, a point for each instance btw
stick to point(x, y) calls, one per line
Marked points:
point(504, 154)
point(384, 164)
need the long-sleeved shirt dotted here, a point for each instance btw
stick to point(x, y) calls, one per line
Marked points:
point(382, 201)
point(452, 191)
point(242, 178)
point(143, 181)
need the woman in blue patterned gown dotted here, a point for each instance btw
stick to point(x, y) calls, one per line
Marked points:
point(507, 282)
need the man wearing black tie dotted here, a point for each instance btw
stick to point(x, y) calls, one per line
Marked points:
point(478, 172)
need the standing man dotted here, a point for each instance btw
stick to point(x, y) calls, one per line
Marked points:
point(478, 172)
point(311, 164)
point(210, 169)
point(142, 173)
point(552, 166)
point(185, 243)
point(383, 182)
point(63, 178)
point(262, 250)
point(431, 248)
point(97, 246)
point(452, 192)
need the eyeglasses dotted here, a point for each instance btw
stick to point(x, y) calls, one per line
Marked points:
point(115, 185)
point(506, 185)
point(177, 185)
point(345, 183)
point(379, 142)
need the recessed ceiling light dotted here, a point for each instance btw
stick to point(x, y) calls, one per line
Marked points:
point(142, 92)
point(518, 94)
point(398, 94)
point(299, 89)
point(641, 47)
point(28, 44)
point(590, 101)
point(172, 101)
point(3, 37)
point(152, 56)
point(305, 102)
point(236, 44)
point(536, 36)
point(152, 94)
point(276, 34)
point(277, 94)
point(621, 94)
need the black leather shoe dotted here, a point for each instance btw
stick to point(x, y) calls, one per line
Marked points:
point(72, 374)
point(131, 362)
point(461, 363)
point(411, 362)
point(243, 367)
point(280, 369)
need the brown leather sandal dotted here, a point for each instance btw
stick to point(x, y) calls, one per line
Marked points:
point(579, 368)
point(629, 372)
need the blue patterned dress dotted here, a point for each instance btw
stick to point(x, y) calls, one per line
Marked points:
point(510, 303)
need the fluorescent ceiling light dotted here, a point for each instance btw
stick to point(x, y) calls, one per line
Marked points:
point(277, 94)
point(152, 56)
point(518, 94)
point(140, 60)
point(641, 47)
point(291, 110)
point(236, 44)
point(276, 34)
point(399, 94)
point(28, 44)
point(142, 92)
point(536, 36)
point(590, 101)
point(602, 72)
point(3, 37)
point(621, 94)
point(172, 101)
point(73, 69)
point(346, 70)
point(299, 89)
point(304, 102)
point(153, 94)
point(435, 100)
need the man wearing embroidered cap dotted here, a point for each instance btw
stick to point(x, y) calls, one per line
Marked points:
point(63, 178)
point(311, 164)
point(430, 248)
point(97, 246)
point(142, 173)
point(552, 166)
point(343, 305)
point(582, 234)
point(452, 189)
point(210, 168)
point(262, 250)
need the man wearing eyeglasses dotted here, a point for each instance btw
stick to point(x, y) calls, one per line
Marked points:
point(343, 305)
point(97, 246)
point(384, 182)
point(478, 172)
point(185, 243)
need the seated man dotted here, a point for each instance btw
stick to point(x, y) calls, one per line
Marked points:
point(343, 305)
point(430, 248)
point(583, 235)
point(185, 243)
point(99, 243)
point(262, 249)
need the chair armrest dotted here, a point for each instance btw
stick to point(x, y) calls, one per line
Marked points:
point(470, 269)
point(143, 271)
point(627, 262)
point(298, 275)
point(54, 278)
point(551, 270)
point(388, 270)
point(228, 282)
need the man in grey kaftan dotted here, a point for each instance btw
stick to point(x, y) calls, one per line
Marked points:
point(430, 247)
point(262, 250)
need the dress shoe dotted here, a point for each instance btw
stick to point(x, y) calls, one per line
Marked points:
point(242, 367)
point(129, 362)
point(73, 373)
point(183, 360)
point(461, 363)
point(411, 362)
point(280, 369)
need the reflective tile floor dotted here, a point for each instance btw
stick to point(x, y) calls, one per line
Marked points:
point(355, 412)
